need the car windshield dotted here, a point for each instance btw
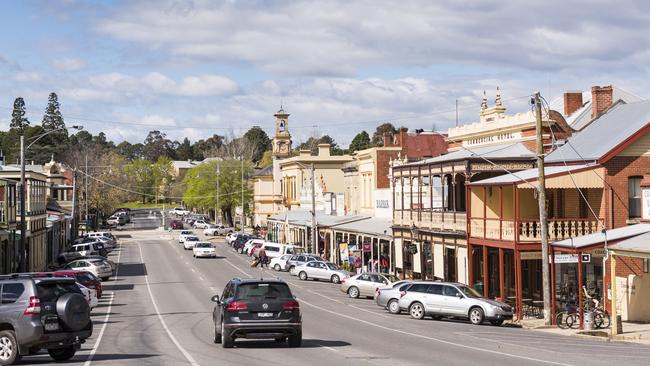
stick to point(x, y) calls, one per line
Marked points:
point(192, 238)
point(203, 245)
point(186, 232)
point(263, 291)
point(332, 266)
point(470, 292)
point(84, 277)
point(97, 262)
point(392, 278)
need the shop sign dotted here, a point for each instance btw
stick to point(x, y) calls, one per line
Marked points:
point(366, 247)
point(566, 258)
point(530, 255)
point(586, 257)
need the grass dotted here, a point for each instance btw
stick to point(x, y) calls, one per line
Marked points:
point(146, 205)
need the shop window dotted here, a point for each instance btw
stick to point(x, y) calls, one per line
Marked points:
point(634, 196)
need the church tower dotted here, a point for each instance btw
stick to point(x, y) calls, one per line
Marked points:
point(282, 138)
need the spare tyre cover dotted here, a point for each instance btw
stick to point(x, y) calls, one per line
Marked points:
point(73, 311)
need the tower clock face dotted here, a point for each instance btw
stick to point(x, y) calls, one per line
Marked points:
point(282, 125)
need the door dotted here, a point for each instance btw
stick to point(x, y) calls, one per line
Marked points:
point(365, 284)
point(434, 299)
point(311, 269)
point(322, 270)
point(453, 301)
point(377, 281)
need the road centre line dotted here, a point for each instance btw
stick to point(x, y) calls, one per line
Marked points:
point(187, 356)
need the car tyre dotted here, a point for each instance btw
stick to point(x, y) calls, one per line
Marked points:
point(336, 279)
point(476, 315)
point(277, 267)
point(217, 335)
point(226, 339)
point(416, 310)
point(393, 306)
point(496, 323)
point(62, 354)
point(296, 339)
point(302, 275)
point(8, 348)
point(353, 292)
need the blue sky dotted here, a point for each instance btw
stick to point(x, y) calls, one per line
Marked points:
point(193, 68)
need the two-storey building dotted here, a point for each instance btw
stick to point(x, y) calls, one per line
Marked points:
point(8, 239)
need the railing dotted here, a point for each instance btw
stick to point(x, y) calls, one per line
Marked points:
point(558, 229)
point(492, 229)
point(433, 220)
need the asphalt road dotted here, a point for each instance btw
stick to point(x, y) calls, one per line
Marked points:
point(158, 312)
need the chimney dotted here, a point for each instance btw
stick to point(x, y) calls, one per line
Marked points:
point(323, 149)
point(601, 99)
point(387, 140)
point(572, 102)
point(305, 152)
point(401, 137)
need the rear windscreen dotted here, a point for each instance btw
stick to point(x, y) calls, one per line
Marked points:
point(50, 291)
point(263, 291)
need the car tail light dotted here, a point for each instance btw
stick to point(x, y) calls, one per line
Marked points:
point(34, 306)
point(291, 305)
point(377, 291)
point(237, 306)
point(401, 294)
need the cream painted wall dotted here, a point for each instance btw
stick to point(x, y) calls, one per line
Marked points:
point(461, 264)
point(438, 260)
point(417, 263)
point(632, 294)
point(399, 250)
point(476, 201)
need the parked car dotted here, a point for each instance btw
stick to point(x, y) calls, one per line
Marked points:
point(116, 220)
point(320, 270)
point(388, 297)
point(231, 237)
point(184, 234)
point(189, 241)
point(176, 225)
point(94, 248)
point(204, 249)
point(279, 263)
point(257, 308)
point(85, 278)
point(179, 211)
point(124, 214)
point(214, 230)
point(274, 250)
point(41, 313)
point(239, 242)
point(90, 295)
point(98, 267)
point(251, 246)
point(366, 283)
point(200, 224)
point(439, 300)
point(105, 236)
point(299, 259)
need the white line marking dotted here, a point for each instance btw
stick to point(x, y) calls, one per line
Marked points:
point(193, 270)
point(108, 314)
point(432, 338)
point(189, 357)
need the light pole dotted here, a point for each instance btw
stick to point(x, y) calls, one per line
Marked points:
point(23, 227)
point(218, 205)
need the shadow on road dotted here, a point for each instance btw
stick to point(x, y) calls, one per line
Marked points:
point(132, 269)
point(44, 358)
point(306, 343)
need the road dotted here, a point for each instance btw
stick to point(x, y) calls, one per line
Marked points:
point(158, 312)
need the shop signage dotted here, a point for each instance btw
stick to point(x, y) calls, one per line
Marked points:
point(382, 204)
point(530, 255)
point(366, 247)
point(566, 258)
point(413, 248)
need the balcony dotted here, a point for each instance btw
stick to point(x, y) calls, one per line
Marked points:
point(530, 230)
point(433, 220)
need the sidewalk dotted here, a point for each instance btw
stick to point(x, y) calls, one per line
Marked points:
point(632, 332)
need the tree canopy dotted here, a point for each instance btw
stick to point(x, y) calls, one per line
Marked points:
point(360, 142)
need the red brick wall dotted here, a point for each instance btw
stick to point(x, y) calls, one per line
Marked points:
point(601, 99)
point(383, 159)
point(618, 170)
point(572, 102)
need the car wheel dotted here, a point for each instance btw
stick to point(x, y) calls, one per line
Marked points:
point(353, 292)
point(416, 310)
point(226, 339)
point(336, 279)
point(302, 275)
point(217, 335)
point(62, 354)
point(105, 278)
point(277, 267)
point(496, 323)
point(291, 268)
point(393, 306)
point(8, 348)
point(476, 315)
point(295, 340)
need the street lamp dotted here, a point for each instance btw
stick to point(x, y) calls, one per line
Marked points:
point(23, 229)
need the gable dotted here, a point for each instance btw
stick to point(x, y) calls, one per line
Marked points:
point(640, 147)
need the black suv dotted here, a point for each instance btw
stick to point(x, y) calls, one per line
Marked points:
point(257, 309)
point(41, 313)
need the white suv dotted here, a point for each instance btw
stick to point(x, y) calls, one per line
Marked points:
point(179, 211)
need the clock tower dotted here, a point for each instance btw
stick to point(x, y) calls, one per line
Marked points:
point(282, 138)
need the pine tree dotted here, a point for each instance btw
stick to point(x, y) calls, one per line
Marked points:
point(18, 119)
point(53, 119)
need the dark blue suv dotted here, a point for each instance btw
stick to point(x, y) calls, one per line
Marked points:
point(257, 309)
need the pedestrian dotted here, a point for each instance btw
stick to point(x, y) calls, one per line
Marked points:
point(262, 257)
point(357, 263)
point(376, 265)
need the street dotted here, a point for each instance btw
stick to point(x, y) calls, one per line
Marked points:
point(157, 311)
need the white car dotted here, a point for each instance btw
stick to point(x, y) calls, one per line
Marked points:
point(252, 244)
point(179, 211)
point(189, 241)
point(90, 295)
point(214, 230)
point(204, 249)
point(278, 263)
point(320, 270)
point(99, 267)
point(184, 234)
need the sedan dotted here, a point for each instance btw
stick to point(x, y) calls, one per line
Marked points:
point(388, 297)
point(320, 270)
point(183, 235)
point(190, 241)
point(176, 225)
point(204, 249)
point(279, 263)
point(365, 284)
point(98, 267)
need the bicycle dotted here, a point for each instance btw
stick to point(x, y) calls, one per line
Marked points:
point(568, 318)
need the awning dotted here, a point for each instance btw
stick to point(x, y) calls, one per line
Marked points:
point(637, 246)
point(600, 238)
point(303, 218)
point(374, 226)
point(583, 176)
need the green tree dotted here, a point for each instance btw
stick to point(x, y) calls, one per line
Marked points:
point(184, 151)
point(156, 145)
point(259, 140)
point(141, 177)
point(313, 142)
point(360, 142)
point(18, 119)
point(378, 136)
point(267, 159)
point(208, 147)
point(130, 151)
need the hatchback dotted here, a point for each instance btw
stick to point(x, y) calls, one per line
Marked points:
point(365, 284)
point(98, 267)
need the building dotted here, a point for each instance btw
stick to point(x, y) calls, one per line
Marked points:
point(429, 196)
point(8, 226)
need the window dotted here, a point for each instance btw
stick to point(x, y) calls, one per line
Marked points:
point(322, 266)
point(311, 264)
point(435, 289)
point(364, 277)
point(634, 196)
point(419, 287)
point(379, 279)
point(11, 292)
point(263, 290)
point(450, 291)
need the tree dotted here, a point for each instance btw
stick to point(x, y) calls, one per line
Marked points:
point(360, 142)
point(130, 151)
point(312, 145)
point(18, 119)
point(208, 147)
point(267, 159)
point(184, 150)
point(141, 177)
point(378, 136)
point(259, 140)
point(53, 119)
point(156, 145)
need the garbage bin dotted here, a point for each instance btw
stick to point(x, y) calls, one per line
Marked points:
point(588, 320)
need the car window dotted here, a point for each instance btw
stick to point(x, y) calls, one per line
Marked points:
point(290, 250)
point(404, 286)
point(435, 289)
point(272, 249)
point(322, 266)
point(470, 292)
point(450, 291)
point(227, 292)
point(378, 279)
point(311, 264)
point(364, 277)
point(83, 264)
point(419, 287)
point(332, 266)
point(11, 292)
point(263, 291)
point(301, 258)
point(50, 292)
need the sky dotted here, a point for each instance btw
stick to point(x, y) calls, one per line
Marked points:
point(194, 68)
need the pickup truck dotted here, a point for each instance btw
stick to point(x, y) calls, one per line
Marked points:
point(179, 211)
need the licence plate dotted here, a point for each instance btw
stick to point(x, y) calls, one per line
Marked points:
point(264, 315)
point(51, 326)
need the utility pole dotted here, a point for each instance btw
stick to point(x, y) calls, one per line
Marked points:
point(242, 193)
point(23, 225)
point(217, 205)
point(314, 229)
point(86, 192)
point(541, 194)
point(74, 205)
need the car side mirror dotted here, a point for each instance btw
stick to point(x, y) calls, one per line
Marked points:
point(216, 299)
point(459, 295)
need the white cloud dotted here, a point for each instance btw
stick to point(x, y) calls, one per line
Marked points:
point(68, 64)
point(157, 121)
point(206, 85)
point(31, 76)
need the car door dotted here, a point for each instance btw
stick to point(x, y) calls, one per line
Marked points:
point(434, 298)
point(377, 281)
point(227, 293)
point(323, 271)
point(365, 284)
point(453, 301)
point(311, 269)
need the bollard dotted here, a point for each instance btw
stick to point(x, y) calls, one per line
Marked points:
point(619, 324)
point(588, 321)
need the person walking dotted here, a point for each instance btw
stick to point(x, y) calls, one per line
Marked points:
point(263, 258)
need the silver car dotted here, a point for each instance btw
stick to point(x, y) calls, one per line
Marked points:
point(365, 284)
point(452, 300)
point(320, 270)
point(388, 297)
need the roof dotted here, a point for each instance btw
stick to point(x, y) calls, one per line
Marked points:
point(303, 218)
point(639, 243)
point(604, 134)
point(375, 226)
point(511, 151)
point(530, 175)
point(609, 235)
point(264, 172)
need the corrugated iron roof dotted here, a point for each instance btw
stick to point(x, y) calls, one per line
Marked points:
point(511, 151)
point(530, 175)
point(610, 235)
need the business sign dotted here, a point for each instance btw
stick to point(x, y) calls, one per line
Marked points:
point(367, 247)
point(572, 258)
point(530, 255)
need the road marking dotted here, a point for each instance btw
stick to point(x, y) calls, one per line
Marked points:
point(432, 338)
point(187, 356)
point(193, 270)
point(108, 314)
